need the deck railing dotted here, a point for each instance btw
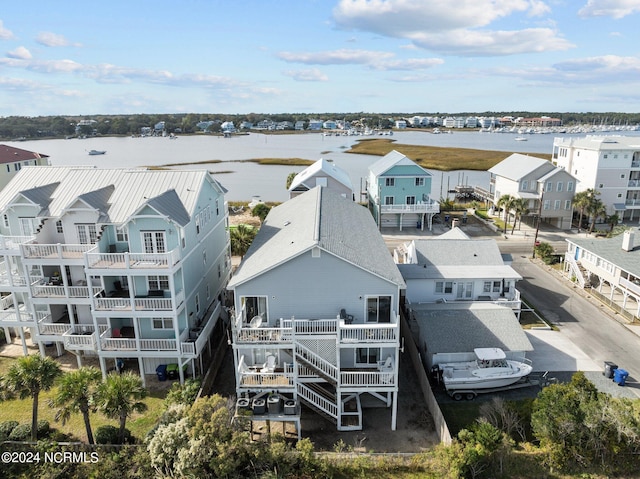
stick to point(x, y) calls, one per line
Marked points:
point(10, 243)
point(424, 207)
point(133, 260)
point(52, 251)
point(139, 304)
point(367, 378)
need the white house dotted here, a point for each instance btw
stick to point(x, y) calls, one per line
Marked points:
point(609, 164)
point(453, 267)
point(322, 173)
point(317, 313)
point(549, 189)
point(118, 264)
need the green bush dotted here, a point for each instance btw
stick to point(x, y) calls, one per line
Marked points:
point(21, 432)
point(109, 435)
point(6, 428)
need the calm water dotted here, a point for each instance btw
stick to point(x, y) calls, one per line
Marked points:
point(244, 180)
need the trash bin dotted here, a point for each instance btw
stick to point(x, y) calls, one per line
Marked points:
point(161, 371)
point(609, 367)
point(620, 376)
point(172, 371)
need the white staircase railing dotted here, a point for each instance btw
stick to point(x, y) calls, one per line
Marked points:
point(574, 269)
point(318, 401)
point(320, 364)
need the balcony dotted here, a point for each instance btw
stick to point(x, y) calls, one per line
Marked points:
point(193, 348)
point(110, 343)
point(81, 337)
point(633, 183)
point(63, 252)
point(256, 376)
point(47, 327)
point(140, 303)
point(420, 207)
point(632, 202)
point(136, 261)
point(11, 244)
point(9, 314)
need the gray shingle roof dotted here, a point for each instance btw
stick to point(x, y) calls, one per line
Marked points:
point(318, 218)
point(517, 166)
point(611, 250)
point(391, 159)
point(457, 328)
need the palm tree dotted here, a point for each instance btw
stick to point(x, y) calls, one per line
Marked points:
point(596, 209)
point(75, 394)
point(506, 202)
point(613, 220)
point(119, 396)
point(27, 377)
point(521, 208)
point(581, 202)
point(241, 238)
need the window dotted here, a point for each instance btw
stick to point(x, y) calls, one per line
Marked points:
point(122, 235)
point(559, 186)
point(367, 356)
point(5, 218)
point(569, 185)
point(556, 205)
point(158, 282)
point(419, 181)
point(605, 156)
point(87, 233)
point(204, 257)
point(217, 208)
point(8, 169)
point(567, 204)
point(379, 309)
point(445, 287)
point(496, 286)
point(388, 200)
point(208, 291)
point(547, 204)
point(389, 182)
point(549, 186)
point(16, 166)
point(622, 176)
point(162, 323)
point(197, 303)
point(411, 200)
point(486, 287)
point(524, 186)
point(59, 228)
point(255, 306)
point(601, 185)
point(153, 241)
point(27, 226)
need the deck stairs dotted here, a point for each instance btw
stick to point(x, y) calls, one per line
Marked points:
point(577, 271)
point(318, 388)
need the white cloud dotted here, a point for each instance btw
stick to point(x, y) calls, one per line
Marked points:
point(410, 64)
point(610, 8)
point(49, 39)
point(603, 65)
point(335, 57)
point(452, 27)
point(311, 74)
point(5, 34)
point(20, 53)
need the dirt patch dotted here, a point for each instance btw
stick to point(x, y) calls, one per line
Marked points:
point(243, 217)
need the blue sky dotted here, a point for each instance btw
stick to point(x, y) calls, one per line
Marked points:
point(313, 56)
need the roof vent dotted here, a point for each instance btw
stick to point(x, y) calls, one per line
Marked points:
point(627, 241)
point(287, 223)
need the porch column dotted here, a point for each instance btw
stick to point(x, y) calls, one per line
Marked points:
point(394, 410)
point(141, 369)
point(103, 367)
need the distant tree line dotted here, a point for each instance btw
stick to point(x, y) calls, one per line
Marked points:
point(14, 127)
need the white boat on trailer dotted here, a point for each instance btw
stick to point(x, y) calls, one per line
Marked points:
point(490, 370)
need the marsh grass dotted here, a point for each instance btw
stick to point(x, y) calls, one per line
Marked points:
point(435, 157)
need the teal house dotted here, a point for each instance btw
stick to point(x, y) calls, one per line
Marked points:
point(398, 191)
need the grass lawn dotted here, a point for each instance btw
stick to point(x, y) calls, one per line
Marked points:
point(435, 157)
point(20, 410)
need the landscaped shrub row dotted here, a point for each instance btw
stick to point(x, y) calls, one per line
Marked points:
point(13, 431)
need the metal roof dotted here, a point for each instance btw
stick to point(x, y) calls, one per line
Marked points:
point(116, 193)
point(462, 327)
point(318, 218)
point(322, 165)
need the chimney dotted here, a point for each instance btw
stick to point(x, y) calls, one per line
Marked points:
point(627, 240)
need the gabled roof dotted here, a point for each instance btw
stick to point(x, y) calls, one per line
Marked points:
point(517, 166)
point(324, 166)
point(392, 159)
point(553, 173)
point(453, 258)
point(10, 154)
point(318, 218)
point(462, 327)
point(115, 193)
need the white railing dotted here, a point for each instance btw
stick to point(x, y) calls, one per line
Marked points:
point(574, 269)
point(10, 315)
point(47, 291)
point(12, 243)
point(629, 285)
point(53, 329)
point(367, 378)
point(318, 401)
point(133, 260)
point(118, 344)
point(7, 302)
point(379, 332)
point(194, 348)
point(425, 207)
point(61, 251)
point(139, 304)
point(80, 337)
point(319, 363)
point(16, 280)
point(110, 304)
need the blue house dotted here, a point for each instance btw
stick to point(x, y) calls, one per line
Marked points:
point(398, 191)
point(126, 265)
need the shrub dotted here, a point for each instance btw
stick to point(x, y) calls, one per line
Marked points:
point(21, 432)
point(43, 428)
point(6, 428)
point(109, 435)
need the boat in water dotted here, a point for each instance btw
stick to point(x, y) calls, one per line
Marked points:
point(97, 152)
point(491, 369)
point(520, 138)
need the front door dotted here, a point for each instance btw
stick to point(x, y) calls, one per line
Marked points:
point(154, 242)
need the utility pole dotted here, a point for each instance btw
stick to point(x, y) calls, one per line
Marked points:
point(535, 239)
